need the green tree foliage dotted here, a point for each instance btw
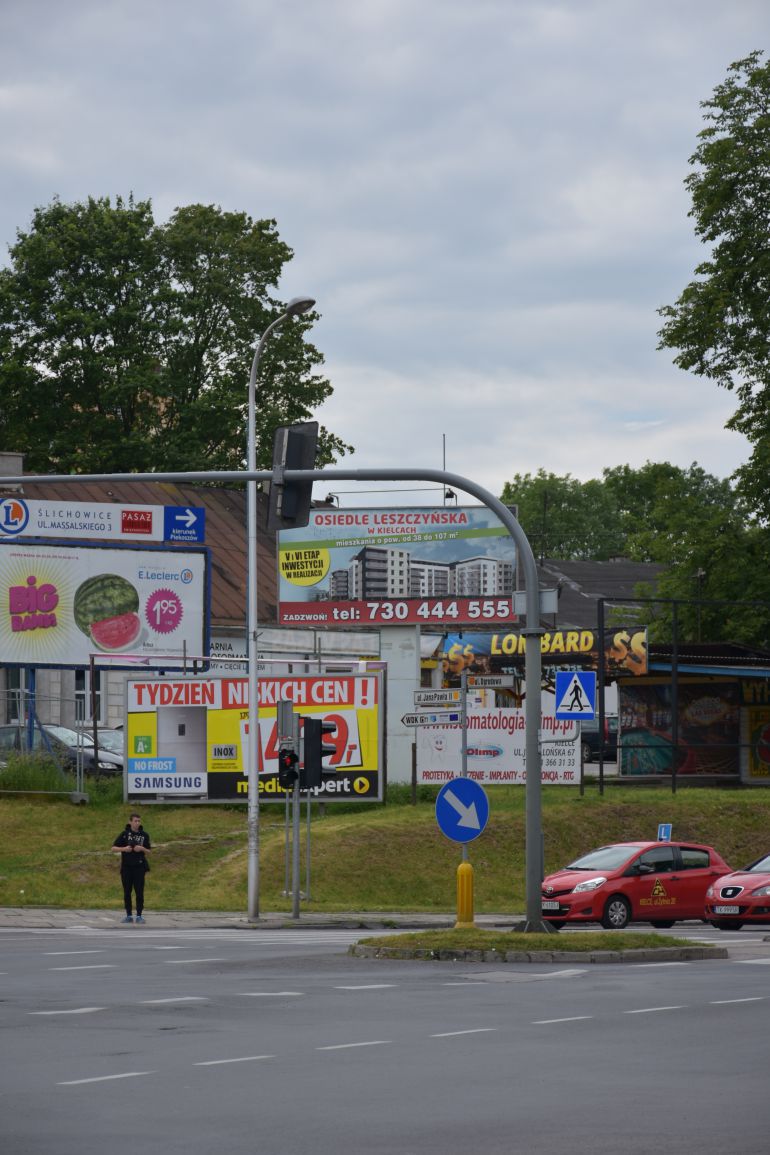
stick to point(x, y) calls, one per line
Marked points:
point(563, 517)
point(720, 325)
point(126, 345)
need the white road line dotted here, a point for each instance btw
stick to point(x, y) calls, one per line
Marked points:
point(470, 983)
point(367, 987)
point(572, 1019)
point(179, 999)
point(176, 962)
point(75, 1011)
point(725, 1002)
point(87, 967)
point(99, 950)
point(754, 961)
point(346, 1046)
point(221, 1062)
point(270, 994)
point(653, 1010)
point(473, 1031)
point(105, 1078)
point(640, 966)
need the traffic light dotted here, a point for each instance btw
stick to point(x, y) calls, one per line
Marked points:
point(316, 747)
point(287, 767)
point(294, 447)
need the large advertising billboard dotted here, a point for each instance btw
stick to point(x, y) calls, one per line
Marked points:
point(380, 567)
point(189, 737)
point(625, 651)
point(59, 604)
point(708, 731)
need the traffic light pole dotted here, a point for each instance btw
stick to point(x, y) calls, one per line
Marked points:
point(532, 632)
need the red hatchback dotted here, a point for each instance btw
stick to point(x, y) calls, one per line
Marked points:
point(743, 896)
point(656, 882)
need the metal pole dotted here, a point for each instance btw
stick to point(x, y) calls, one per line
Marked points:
point(464, 737)
point(295, 852)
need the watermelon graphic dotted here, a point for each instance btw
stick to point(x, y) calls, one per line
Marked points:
point(105, 609)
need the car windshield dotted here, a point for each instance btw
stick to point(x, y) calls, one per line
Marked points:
point(761, 867)
point(605, 858)
point(111, 740)
point(68, 737)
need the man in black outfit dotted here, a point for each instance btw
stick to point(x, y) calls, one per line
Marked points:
point(132, 844)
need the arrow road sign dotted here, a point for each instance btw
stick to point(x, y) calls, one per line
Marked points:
point(575, 694)
point(462, 809)
point(444, 717)
point(491, 682)
point(436, 697)
point(183, 523)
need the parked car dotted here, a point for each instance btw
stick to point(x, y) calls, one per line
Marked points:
point(63, 744)
point(656, 882)
point(591, 743)
point(742, 896)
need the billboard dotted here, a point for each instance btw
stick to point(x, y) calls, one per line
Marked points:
point(59, 604)
point(379, 567)
point(625, 651)
point(189, 737)
point(105, 520)
point(496, 754)
point(708, 730)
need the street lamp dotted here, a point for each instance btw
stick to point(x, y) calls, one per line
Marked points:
point(295, 307)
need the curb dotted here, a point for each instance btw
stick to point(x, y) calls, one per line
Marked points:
point(662, 954)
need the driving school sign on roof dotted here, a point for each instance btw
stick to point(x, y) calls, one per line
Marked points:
point(379, 567)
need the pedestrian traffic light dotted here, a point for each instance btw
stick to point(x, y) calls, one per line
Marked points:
point(287, 767)
point(294, 447)
point(316, 747)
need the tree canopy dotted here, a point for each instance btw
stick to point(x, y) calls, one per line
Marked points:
point(720, 325)
point(126, 345)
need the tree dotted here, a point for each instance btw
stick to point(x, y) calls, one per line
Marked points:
point(565, 518)
point(720, 324)
point(126, 345)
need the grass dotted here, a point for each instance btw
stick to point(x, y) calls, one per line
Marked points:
point(437, 940)
point(364, 858)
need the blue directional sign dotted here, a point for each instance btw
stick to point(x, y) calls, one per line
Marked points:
point(184, 523)
point(575, 694)
point(462, 809)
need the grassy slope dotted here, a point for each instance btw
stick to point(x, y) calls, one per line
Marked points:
point(373, 858)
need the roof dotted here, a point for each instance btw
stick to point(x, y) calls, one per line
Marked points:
point(582, 583)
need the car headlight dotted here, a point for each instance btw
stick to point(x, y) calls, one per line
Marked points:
point(106, 765)
point(710, 892)
point(762, 890)
point(589, 884)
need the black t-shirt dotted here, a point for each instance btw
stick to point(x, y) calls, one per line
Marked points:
point(129, 837)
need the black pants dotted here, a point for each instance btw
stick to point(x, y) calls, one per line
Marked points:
point(132, 878)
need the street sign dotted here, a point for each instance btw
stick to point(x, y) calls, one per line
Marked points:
point(184, 523)
point(575, 694)
point(491, 682)
point(664, 831)
point(425, 719)
point(436, 697)
point(462, 809)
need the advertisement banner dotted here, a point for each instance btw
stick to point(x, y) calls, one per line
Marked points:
point(625, 651)
point(757, 767)
point(496, 749)
point(105, 520)
point(61, 603)
point(379, 567)
point(191, 735)
point(708, 738)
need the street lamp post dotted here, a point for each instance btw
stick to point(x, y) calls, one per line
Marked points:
point(295, 306)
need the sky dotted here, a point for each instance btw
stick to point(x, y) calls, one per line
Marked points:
point(485, 198)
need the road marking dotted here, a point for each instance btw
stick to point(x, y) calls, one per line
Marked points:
point(572, 1019)
point(243, 1059)
point(367, 987)
point(754, 961)
point(653, 1010)
point(55, 952)
point(75, 1011)
point(346, 1046)
point(639, 966)
point(105, 1078)
point(86, 967)
point(725, 1002)
point(179, 999)
point(176, 962)
point(469, 983)
point(473, 1031)
point(270, 994)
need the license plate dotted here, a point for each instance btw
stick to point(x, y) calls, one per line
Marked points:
point(551, 904)
point(727, 910)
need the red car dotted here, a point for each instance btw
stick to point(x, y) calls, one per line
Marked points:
point(657, 882)
point(743, 896)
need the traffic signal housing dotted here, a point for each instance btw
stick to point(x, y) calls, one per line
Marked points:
point(288, 773)
point(316, 747)
point(294, 447)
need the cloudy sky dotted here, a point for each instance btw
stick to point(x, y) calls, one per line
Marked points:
point(484, 196)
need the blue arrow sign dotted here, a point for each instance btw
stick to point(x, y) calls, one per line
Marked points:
point(462, 809)
point(184, 523)
point(575, 694)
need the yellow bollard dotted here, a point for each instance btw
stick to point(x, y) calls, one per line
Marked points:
point(465, 897)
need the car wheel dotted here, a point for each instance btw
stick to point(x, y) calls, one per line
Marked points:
point(617, 913)
point(556, 923)
point(662, 923)
point(723, 924)
point(586, 749)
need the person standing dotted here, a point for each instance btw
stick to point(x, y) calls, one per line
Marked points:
point(133, 844)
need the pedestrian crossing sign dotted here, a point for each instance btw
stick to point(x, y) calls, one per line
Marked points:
point(575, 694)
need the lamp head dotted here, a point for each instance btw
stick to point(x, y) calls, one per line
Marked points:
point(299, 305)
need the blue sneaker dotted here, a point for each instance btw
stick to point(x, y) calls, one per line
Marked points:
point(139, 918)
point(128, 918)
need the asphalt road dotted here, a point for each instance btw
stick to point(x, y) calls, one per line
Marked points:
point(277, 1042)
